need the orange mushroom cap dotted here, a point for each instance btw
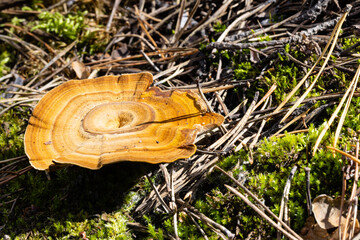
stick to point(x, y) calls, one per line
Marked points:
point(109, 119)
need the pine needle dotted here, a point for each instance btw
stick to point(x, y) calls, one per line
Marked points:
point(334, 115)
point(346, 108)
point(333, 38)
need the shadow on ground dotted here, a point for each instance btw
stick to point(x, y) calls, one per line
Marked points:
point(72, 192)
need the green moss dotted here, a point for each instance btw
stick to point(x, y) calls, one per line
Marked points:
point(348, 42)
point(66, 27)
point(105, 226)
point(70, 27)
point(72, 201)
point(274, 160)
point(219, 27)
point(6, 58)
point(266, 177)
point(352, 121)
point(153, 232)
point(13, 124)
point(244, 70)
point(285, 77)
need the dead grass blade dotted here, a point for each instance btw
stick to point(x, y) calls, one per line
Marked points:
point(333, 38)
point(352, 198)
point(259, 8)
point(261, 213)
point(355, 159)
point(271, 90)
point(215, 16)
point(291, 122)
point(312, 69)
point(334, 115)
point(346, 108)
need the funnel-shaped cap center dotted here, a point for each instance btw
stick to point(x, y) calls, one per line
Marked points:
point(117, 117)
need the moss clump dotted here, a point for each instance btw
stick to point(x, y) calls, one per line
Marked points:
point(266, 177)
point(71, 201)
point(13, 124)
point(285, 76)
point(7, 56)
point(104, 226)
point(219, 27)
point(273, 162)
point(66, 27)
point(244, 70)
point(347, 42)
point(70, 27)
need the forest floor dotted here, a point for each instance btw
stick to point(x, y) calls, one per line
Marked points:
point(284, 75)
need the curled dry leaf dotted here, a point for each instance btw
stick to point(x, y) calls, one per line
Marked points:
point(327, 214)
point(99, 121)
point(327, 211)
point(80, 69)
point(312, 231)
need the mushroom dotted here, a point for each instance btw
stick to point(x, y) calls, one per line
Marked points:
point(109, 119)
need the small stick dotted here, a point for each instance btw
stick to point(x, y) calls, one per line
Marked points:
point(166, 207)
point(53, 74)
point(137, 36)
point(141, 23)
point(149, 60)
point(18, 103)
point(294, 132)
point(268, 101)
point(177, 72)
point(115, 7)
point(210, 109)
point(172, 69)
point(257, 32)
point(196, 224)
point(103, 62)
point(285, 199)
point(266, 96)
point(259, 202)
point(203, 97)
point(190, 17)
point(238, 128)
point(243, 17)
point(308, 194)
point(343, 189)
point(333, 38)
point(291, 122)
point(354, 218)
point(166, 176)
point(18, 173)
point(178, 22)
point(36, 38)
point(26, 88)
point(355, 159)
point(173, 203)
point(261, 213)
point(23, 158)
point(346, 108)
point(212, 18)
point(207, 220)
point(52, 61)
point(353, 194)
point(217, 231)
point(223, 106)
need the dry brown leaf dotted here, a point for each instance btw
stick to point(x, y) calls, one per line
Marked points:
point(327, 214)
point(327, 211)
point(80, 69)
